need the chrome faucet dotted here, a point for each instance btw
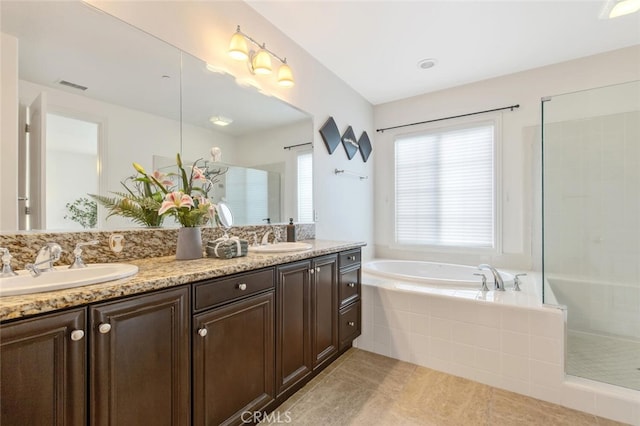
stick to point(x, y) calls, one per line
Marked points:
point(498, 283)
point(265, 238)
point(6, 264)
point(77, 253)
point(47, 256)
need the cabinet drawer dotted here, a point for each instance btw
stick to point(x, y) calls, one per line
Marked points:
point(350, 258)
point(349, 324)
point(349, 286)
point(218, 291)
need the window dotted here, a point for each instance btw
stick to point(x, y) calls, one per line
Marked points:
point(445, 187)
point(305, 187)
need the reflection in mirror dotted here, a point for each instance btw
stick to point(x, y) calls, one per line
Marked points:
point(85, 67)
point(98, 94)
point(265, 145)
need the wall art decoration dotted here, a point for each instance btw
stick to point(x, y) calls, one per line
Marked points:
point(365, 146)
point(330, 135)
point(349, 142)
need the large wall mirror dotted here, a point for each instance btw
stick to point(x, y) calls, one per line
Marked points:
point(99, 94)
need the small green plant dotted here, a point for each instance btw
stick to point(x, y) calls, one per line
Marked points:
point(83, 211)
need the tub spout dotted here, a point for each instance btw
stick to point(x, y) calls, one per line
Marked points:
point(499, 284)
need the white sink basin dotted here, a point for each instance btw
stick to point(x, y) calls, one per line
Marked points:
point(63, 277)
point(281, 247)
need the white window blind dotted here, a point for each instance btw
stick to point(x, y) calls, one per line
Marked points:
point(305, 187)
point(445, 189)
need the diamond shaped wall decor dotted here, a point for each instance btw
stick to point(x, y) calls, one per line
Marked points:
point(365, 146)
point(349, 142)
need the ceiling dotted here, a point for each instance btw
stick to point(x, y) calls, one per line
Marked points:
point(375, 46)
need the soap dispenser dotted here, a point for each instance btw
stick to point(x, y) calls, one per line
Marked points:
point(291, 231)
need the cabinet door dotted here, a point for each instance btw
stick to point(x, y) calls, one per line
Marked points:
point(43, 370)
point(324, 290)
point(293, 325)
point(140, 366)
point(233, 361)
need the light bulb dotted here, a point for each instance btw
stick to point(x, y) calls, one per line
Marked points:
point(285, 76)
point(238, 47)
point(262, 62)
point(624, 7)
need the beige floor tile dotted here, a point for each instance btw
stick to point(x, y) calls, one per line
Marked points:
point(508, 408)
point(362, 388)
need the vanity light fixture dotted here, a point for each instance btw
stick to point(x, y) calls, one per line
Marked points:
point(616, 8)
point(219, 120)
point(259, 62)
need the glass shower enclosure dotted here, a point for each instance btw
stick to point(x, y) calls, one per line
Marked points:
point(591, 228)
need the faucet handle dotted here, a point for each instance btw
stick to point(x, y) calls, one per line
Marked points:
point(516, 282)
point(484, 282)
point(6, 264)
point(77, 253)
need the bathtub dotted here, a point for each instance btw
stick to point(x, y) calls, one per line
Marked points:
point(431, 273)
point(436, 315)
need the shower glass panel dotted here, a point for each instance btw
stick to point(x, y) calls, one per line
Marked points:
point(591, 228)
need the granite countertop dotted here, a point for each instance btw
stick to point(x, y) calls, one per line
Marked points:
point(158, 273)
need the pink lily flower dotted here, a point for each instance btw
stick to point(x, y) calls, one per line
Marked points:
point(198, 174)
point(161, 177)
point(175, 200)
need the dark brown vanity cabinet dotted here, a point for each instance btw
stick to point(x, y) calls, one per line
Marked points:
point(140, 370)
point(324, 309)
point(43, 370)
point(211, 352)
point(233, 348)
point(306, 321)
point(350, 290)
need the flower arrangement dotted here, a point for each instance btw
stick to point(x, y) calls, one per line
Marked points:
point(186, 201)
point(149, 198)
point(140, 202)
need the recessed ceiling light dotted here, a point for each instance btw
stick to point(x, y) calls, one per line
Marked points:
point(425, 64)
point(219, 120)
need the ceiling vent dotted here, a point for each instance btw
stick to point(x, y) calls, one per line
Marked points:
point(73, 85)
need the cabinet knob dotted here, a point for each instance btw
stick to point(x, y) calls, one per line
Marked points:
point(352, 285)
point(242, 286)
point(351, 258)
point(202, 332)
point(104, 328)
point(318, 269)
point(351, 324)
point(77, 335)
point(312, 271)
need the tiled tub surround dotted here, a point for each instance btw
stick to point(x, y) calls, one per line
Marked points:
point(603, 328)
point(158, 273)
point(506, 340)
point(138, 243)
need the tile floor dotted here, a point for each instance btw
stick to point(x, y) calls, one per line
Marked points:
point(603, 358)
point(363, 388)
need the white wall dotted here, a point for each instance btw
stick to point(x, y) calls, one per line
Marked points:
point(521, 195)
point(344, 205)
point(9, 132)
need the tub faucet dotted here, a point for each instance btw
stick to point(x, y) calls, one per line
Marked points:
point(47, 256)
point(499, 284)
